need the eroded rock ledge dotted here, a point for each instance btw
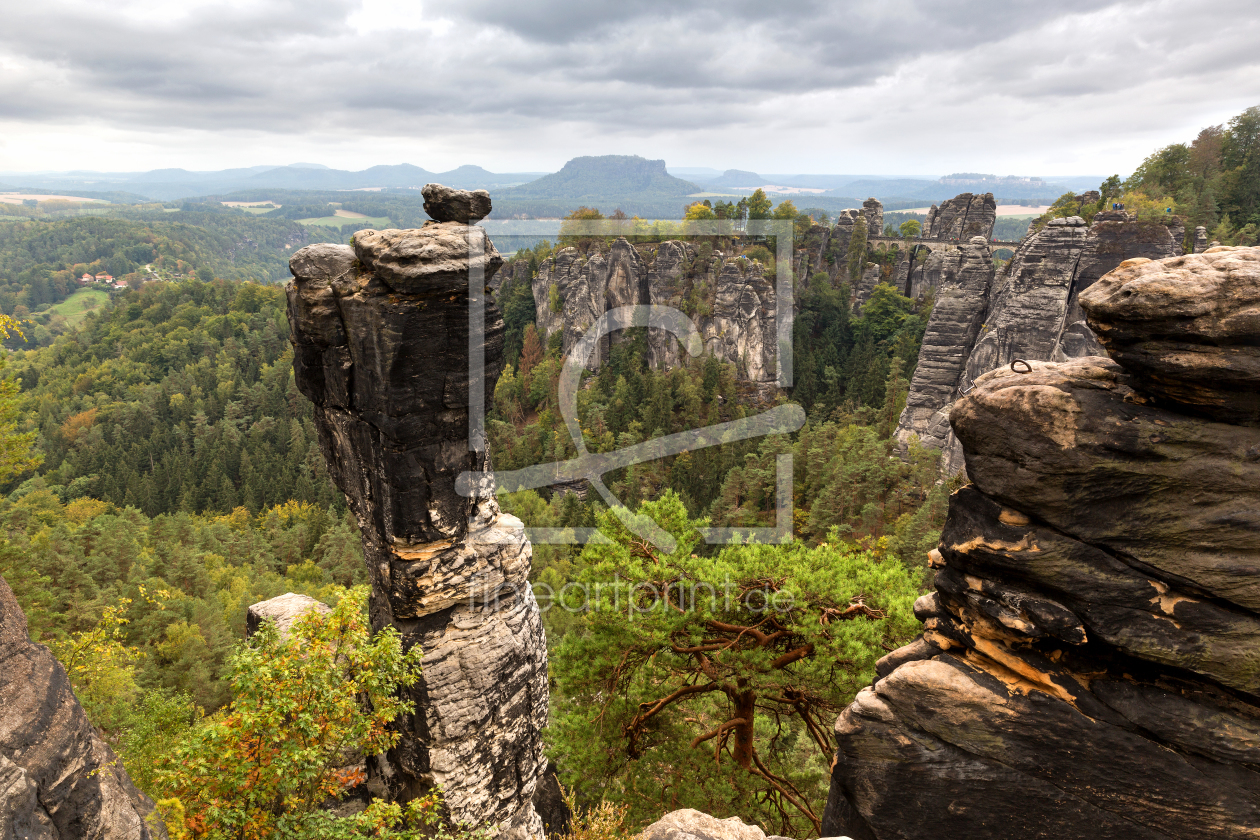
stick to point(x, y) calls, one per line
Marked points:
point(1090, 661)
point(381, 346)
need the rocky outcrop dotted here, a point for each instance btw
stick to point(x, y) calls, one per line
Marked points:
point(962, 299)
point(731, 301)
point(1031, 313)
point(1200, 239)
point(1190, 327)
point(58, 779)
point(1087, 666)
point(742, 329)
point(282, 611)
point(511, 274)
point(843, 232)
point(962, 217)
point(381, 347)
point(690, 824)
point(444, 204)
point(871, 276)
point(873, 210)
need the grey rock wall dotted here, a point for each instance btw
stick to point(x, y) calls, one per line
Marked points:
point(964, 284)
point(380, 334)
point(873, 210)
point(962, 217)
point(1031, 311)
point(871, 276)
point(737, 324)
point(58, 779)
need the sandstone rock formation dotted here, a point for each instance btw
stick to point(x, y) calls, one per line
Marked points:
point(873, 210)
point(690, 824)
point(954, 222)
point(444, 204)
point(58, 779)
point(962, 299)
point(871, 276)
point(518, 272)
point(1190, 327)
point(1088, 661)
point(739, 326)
point(1030, 312)
point(381, 347)
point(962, 217)
point(281, 610)
point(1200, 239)
point(842, 232)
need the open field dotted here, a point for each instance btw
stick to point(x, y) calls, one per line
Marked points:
point(76, 307)
point(18, 198)
point(340, 219)
point(255, 207)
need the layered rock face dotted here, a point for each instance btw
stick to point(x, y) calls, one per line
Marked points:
point(962, 217)
point(1200, 239)
point(739, 326)
point(1088, 666)
point(962, 299)
point(1030, 312)
point(58, 779)
point(1190, 327)
point(873, 210)
point(381, 347)
point(825, 249)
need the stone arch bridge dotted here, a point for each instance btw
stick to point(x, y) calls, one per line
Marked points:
point(934, 244)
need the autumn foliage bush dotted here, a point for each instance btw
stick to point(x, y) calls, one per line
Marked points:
point(305, 707)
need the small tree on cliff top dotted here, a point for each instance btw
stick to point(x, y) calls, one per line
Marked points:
point(711, 682)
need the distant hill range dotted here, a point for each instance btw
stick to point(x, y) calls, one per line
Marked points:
point(174, 184)
point(895, 190)
point(635, 185)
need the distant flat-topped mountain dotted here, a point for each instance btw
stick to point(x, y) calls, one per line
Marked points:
point(736, 179)
point(606, 176)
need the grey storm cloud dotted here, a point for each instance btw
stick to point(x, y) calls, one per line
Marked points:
point(282, 67)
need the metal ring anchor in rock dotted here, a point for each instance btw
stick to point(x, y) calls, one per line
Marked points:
point(1027, 367)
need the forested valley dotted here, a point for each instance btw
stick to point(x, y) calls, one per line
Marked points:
point(179, 478)
point(162, 472)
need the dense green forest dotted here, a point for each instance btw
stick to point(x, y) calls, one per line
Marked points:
point(176, 397)
point(1213, 181)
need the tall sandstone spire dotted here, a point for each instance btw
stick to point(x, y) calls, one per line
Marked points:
point(381, 337)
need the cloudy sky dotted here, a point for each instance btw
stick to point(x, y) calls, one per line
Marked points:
point(912, 87)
